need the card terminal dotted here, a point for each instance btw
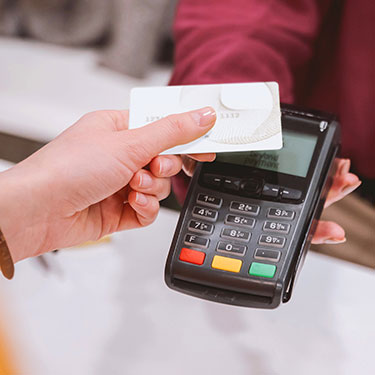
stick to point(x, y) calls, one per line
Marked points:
point(249, 217)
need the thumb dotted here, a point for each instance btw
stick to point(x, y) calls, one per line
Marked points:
point(171, 131)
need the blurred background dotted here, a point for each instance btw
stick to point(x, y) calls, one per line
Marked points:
point(103, 308)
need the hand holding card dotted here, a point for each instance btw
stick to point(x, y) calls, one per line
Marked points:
point(249, 116)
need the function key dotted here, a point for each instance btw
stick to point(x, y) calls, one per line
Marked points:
point(270, 190)
point(200, 227)
point(236, 234)
point(262, 270)
point(241, 221)
point(274, 226)
point(244, 208)
point(279, 213)
point(231, 248)
point(212, 180)
point(196, 241)
point(251, 186)
point(226, 264)
point(293, 194)
point(209, 200)
point(192, 256)
point(231, 183)
point(271, 255)
point(205, 213)
point(274, 241)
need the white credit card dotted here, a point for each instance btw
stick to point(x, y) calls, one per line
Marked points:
point(248, 114)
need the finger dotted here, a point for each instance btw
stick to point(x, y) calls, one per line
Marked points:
point(328, 232)
point(342, 166)
point(342, 185)
point(203, 157)
point(146, 207)
point(150, 140)
point(145, 182)
point(188, 165)
point(165, 165)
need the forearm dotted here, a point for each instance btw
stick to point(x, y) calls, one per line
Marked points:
point(20, 218)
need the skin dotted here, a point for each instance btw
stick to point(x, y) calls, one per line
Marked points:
point(99, 177)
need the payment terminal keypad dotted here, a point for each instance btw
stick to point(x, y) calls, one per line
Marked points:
point(230, 234)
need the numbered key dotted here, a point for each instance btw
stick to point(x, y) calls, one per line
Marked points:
point(231, 248)
point(244, 208)
point(274, 226)
point(236, 234)
point(205, 213)
point(279, 213)
point(200, 227)
point(274, 241)
point(196, 241)
point(209, 200)
point(240, 221)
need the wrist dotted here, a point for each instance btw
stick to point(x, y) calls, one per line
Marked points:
point(20, 221)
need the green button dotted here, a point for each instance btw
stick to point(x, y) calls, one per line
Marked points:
point(262, 269)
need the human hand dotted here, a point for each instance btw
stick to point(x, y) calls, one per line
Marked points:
point(90, 181)
point(344, 183)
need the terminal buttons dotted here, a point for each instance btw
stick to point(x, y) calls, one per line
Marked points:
point(235, 234)
point(293, 194)
point(212, 180)
point(196, 241)
point(244, 208)
point(274, 226)
point(251, 186)
point(205, 213)
point(262, 270)
point(274, 241)
point(241, 221)
point(271, 255)
point(226, 264)
point(231, 183)
point(270, 190)
point(231, 248)
point(200, 227)
point(209, 200)
point(192, 256)
point(279, 213)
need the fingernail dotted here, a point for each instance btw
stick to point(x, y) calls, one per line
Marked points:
point(141, 199)
point(350, 188)
point(166, 165)
point(333, 241)
point(345, 167)
point(204, 117)
point(145, 180)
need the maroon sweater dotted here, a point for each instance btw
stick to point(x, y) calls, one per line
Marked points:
point(321, 52)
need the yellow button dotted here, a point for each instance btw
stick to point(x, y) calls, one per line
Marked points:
point(226, 264)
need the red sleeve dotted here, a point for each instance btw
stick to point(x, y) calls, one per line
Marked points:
point(220, 41)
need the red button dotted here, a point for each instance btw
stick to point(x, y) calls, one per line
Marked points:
point(192, 256)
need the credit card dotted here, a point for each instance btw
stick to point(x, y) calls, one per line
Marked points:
point(248, 114)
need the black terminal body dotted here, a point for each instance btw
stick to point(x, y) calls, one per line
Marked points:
point(249, 218)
